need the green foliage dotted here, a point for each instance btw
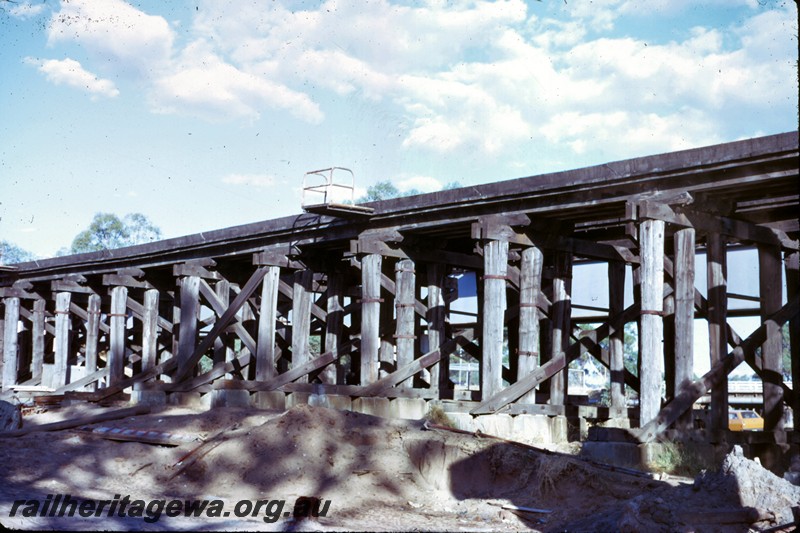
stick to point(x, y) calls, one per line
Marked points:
point(107, 231)
point(631, 348)
point(10, 253)
point(787, 352)
point(384, 190)
point(681, 459)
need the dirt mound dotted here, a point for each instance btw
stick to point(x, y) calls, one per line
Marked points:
point(753, 486)
point(739, 496)
point(378, 474)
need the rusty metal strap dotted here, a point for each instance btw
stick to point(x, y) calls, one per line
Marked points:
point(651, 312)
point(404, 305)
point(370, 300)
point(527, 353)
point(494, 276)
point(404, 336)
point(117, 314)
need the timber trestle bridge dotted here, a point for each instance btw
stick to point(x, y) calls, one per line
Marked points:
point(359, 308)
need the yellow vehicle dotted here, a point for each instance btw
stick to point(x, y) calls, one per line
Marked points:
point(744, 421)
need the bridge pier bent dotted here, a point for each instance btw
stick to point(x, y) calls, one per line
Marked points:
point(371, 308)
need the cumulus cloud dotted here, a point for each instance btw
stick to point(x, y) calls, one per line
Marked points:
point(25, 10)
point(206, 83)
point(115, 34)
point(478, 76)
point(70, 72)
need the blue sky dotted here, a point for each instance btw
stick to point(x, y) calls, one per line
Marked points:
point(206, 114)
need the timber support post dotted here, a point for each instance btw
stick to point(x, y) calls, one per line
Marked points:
point(530, 288)
point(495, 257)
point(651, 352)
point(370, 316)
point(683, 329)
point(717, 273)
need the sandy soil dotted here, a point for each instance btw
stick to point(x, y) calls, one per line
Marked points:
point(377, 474)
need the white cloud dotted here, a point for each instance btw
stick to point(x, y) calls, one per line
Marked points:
point(207, 85)
point(421, 183)
point(252, 180)
point(479, 76)
point(116, 34)
point(26, 10)
point(70, 72)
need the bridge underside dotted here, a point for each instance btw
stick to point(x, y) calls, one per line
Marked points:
point(362, 307)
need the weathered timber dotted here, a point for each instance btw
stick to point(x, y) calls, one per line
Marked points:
point(739, 229)
point(380, 386)
point(792, 267)
point(404, 313)
point(718, 373)
point(651, 238)
point(61, 346)
point(717, 276)
point(436, 319)
point(10, 342)
point(684, 316)
point(301, 317)
point(334, 324)
point(90, 379)
point(266, 350)
point(38, 333)
point(302, 370)
point(357, 391)
point(92, 335)
point(138, 311)
point(495, 258)
point(548, 369)
point(224, 321)
point(219, 308)
point(770, 283)
point(223, 350)
point(150, 329)
point(190, 312)
point(530, 289)
point(616, 340)
point(370, 317)
point(81, 421)
point(560, 314)
point(116, 353)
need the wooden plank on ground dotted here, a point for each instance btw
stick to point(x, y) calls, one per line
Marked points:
point(80, 421)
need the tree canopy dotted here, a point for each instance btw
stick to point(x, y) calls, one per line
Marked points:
point(384, 190)
point(107, 231)
point(10, 253)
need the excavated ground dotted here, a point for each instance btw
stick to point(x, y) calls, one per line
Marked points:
point(378, 475)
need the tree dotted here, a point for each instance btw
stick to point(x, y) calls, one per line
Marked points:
point(107, 231)
point(10, 253)
point(384, 190)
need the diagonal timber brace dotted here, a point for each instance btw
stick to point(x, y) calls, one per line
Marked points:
point(693, 391)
